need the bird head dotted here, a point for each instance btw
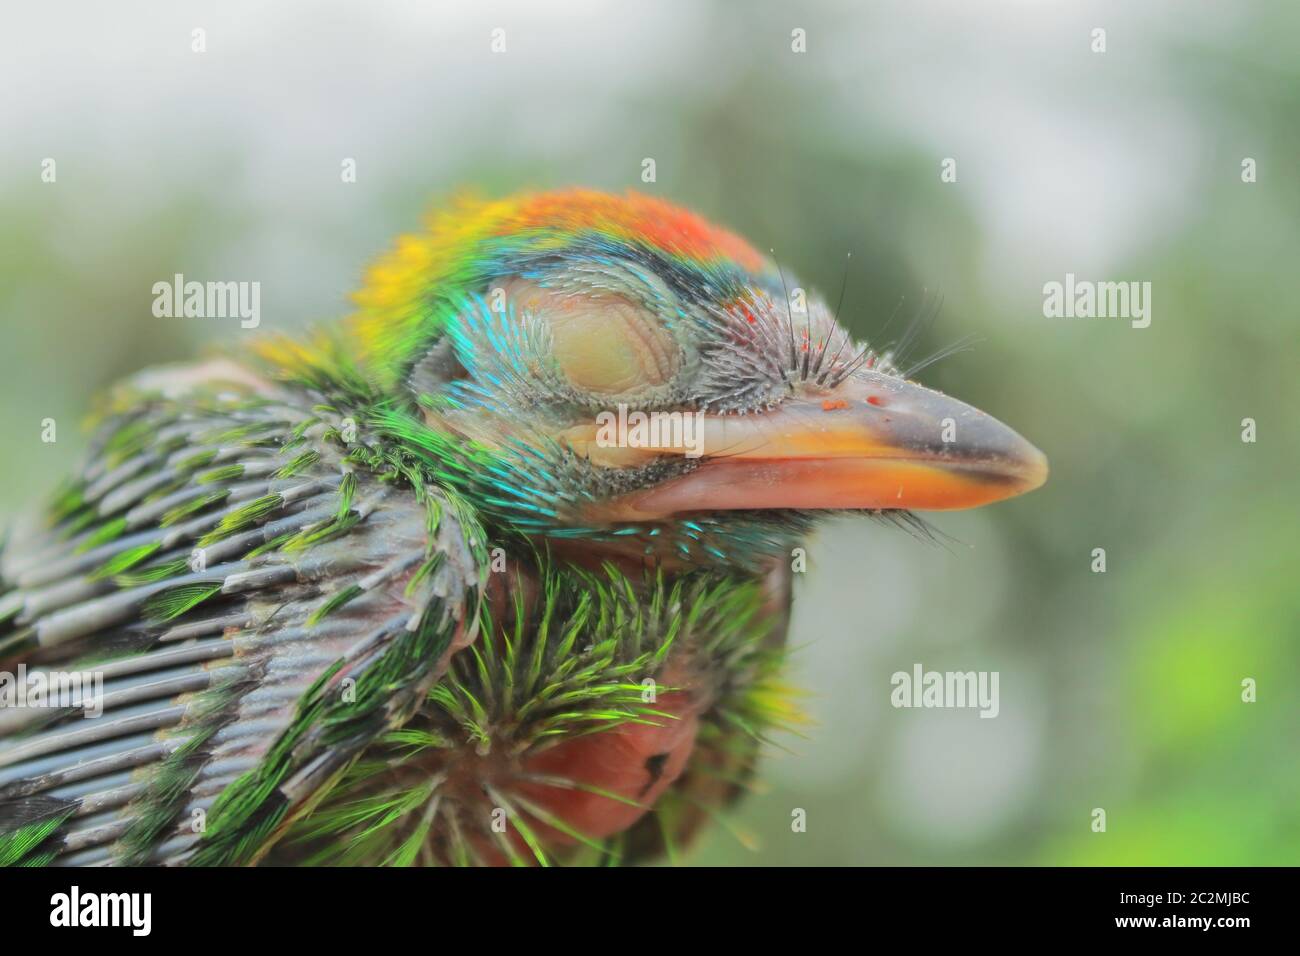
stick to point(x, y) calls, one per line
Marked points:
point(590, 368)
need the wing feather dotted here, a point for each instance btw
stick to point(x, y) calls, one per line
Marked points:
point(235, 602)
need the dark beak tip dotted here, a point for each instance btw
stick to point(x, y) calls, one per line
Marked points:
point(1030, 466)
point(1002, 455)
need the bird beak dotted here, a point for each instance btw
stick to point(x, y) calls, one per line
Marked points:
point(875, 442)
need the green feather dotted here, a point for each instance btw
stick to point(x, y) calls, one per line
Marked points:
point(333, 603)
point(174, 602)
point(18, 848)
point(193, 506)
point(125, 560)
point(152, 573)
point(250, 515)
point(103, 535)
point(299, 464)
point(225, 474)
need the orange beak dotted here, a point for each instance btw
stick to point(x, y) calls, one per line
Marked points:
point(876, 442)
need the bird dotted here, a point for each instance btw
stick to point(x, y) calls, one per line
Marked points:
point(494, 569)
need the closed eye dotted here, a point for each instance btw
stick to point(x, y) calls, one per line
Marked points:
point(602, 342)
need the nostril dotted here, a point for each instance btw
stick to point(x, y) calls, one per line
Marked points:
point(876, 400)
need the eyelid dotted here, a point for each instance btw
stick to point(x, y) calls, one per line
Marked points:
point(602, 341)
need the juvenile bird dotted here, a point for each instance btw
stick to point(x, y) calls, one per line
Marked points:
point(496, 570)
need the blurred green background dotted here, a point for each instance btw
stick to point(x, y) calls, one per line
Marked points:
point(1119, 690)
